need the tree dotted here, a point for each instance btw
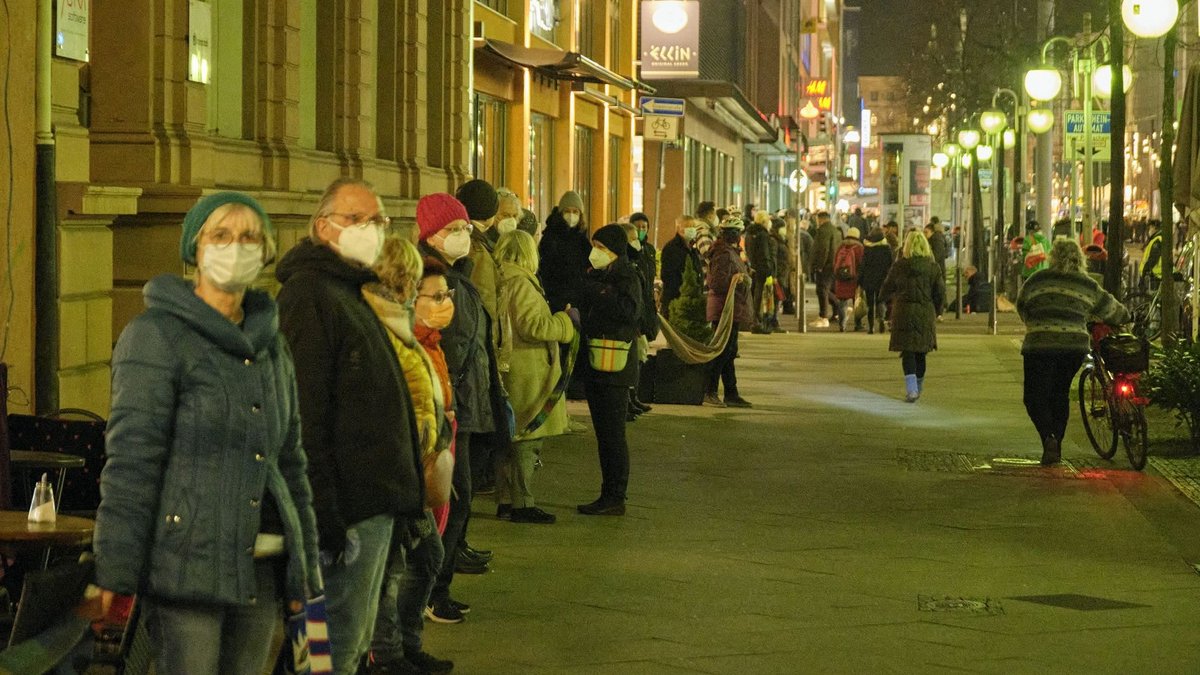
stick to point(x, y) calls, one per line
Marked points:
point(689, 312)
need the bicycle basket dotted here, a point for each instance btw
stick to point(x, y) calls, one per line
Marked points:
point(1125, 353)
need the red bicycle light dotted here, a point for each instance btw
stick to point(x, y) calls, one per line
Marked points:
point(1126, 389)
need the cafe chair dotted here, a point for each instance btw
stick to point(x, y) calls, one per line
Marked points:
point(74, 432)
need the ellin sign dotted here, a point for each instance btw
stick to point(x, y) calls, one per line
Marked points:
point(670, 39)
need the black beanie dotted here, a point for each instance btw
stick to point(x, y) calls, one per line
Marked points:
point(613, 237)
point(480, 198)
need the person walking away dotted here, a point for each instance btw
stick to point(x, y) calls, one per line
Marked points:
point(726, 269)
point(785, 272)
point(416, 551)
point(445, 235)
point(825, 246)
point(563, 252)
point(856, 219)
point(533, 375)
point(876, 263)
point(434, 309)
point(610, 311)
point(203, 378)
point(847, 264)
point(1056, 305)
point(675, 255)
point(761, 257)
point(1034, 249)
point(355, 411)
point(937, 243)
point(647, 321)
point(916, 291)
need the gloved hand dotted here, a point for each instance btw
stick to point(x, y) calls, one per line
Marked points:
point(574, 314)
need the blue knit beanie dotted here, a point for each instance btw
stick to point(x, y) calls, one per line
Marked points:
point(198, 214)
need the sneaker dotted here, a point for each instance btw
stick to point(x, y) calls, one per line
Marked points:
point(466, 565)
point(441, 611)
point(819, 323)
point(460, 606)
point(428, 663)
point(714, 400)
point(1051, 451)
point(602, 507)
point(737, 402)
point(532, 514)
point(480, 556)
point(503, 511)
point(574, 426)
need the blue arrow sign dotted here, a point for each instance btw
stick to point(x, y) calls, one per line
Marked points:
point(671, 107)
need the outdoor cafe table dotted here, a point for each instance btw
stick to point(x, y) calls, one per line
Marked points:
point(18, 534)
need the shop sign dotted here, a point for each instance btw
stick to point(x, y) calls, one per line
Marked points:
point(670, 39)
point(71, 36)
point(820, 93)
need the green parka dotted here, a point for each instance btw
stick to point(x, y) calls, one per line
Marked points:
point(917, 292)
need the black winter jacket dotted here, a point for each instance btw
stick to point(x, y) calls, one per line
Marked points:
point(564, 254)
point(675, 255)
point(877, 261)
point(610, 308)
point(760, 251)
point(645, 263)
point(356, 416)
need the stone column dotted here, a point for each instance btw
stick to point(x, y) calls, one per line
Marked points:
point(277, 83)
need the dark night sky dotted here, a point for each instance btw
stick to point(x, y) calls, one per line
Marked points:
point(891, 30)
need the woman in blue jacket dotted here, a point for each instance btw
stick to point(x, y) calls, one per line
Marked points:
point(205, 504)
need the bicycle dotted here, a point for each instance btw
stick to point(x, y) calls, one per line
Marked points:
point(1110, 403)
point(1146, 307)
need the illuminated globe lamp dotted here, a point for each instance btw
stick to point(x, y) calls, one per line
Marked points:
point(966, 160)
point(984, 153)
point(941, 160)
point(1040, 120)
point(952, 150)
point(1102, 80)
point(1149, 18)
point(1044, 83)
point(968, 139)
point(809, 111)
point(993, 121)
point(1010, 139)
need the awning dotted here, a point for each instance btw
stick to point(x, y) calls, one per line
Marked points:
point(610, 101)
point(560, 65)
point(725, 101)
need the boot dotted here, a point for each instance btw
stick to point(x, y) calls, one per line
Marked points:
point(911, 388)
point(1051, 450)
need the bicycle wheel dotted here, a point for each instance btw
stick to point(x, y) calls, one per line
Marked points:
point(1134, 434)
point(1095, 413)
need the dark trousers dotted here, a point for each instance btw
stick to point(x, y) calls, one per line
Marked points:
point(875, 306)
point(608, 406)
point(413, 562)
point(826, 303)
point(1048, 378)
point(913, 363)
point(723, 368)
point(460, 512)
point(757, 286)
point(482, 449)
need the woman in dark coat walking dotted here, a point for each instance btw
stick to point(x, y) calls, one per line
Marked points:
point(610, 309)
point(876, 263)
point(917, 292)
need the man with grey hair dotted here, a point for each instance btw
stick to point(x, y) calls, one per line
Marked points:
point(509, 215)
point(357, 422)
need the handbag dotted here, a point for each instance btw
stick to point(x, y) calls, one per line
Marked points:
point(439, 470)
point(608, 356)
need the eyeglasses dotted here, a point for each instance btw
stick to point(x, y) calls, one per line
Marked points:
point(468, 228)
point(361, 221)
point(440, 296)
point(222, 238)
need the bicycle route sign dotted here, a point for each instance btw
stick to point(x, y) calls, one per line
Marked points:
point(1101, 150)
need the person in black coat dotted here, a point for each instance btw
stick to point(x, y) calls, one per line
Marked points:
point(675, 255)
point(877, 262)
point(642, 258)
point(563, 253)
point(610, 309)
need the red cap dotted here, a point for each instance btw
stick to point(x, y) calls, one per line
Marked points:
point(436, 211)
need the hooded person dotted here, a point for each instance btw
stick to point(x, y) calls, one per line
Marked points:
point(610, 312)
point(876, 263)
point(563, 252)
point(725, 270)
point(445, 236)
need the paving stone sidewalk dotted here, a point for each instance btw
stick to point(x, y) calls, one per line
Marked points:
point(835, 529)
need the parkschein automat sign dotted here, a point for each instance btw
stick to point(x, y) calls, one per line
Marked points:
point(670, 39)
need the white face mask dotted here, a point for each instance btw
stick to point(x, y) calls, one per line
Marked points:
point(232, 268)
point(360, 244)
point(457, 245)
point(600, 259)
point(572, 219)
point(689, 233)
point(507, 225)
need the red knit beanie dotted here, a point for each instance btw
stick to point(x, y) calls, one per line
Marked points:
point(436, 211)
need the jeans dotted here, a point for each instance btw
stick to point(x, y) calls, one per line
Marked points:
point(1048, 378)
point(413, 563)
point(192, 637)
point(723, 369)
point(825, 300)
point(514, 473)
point(913, 363)
point(608, 406)
point(352, 583)
point(460, 511)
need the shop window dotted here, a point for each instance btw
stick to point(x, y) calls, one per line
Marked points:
point(233, 71)
point(489, 141)
point(541, 164)
point(584, 155)
point(614, 178)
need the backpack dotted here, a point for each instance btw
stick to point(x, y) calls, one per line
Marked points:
point(845, 268)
